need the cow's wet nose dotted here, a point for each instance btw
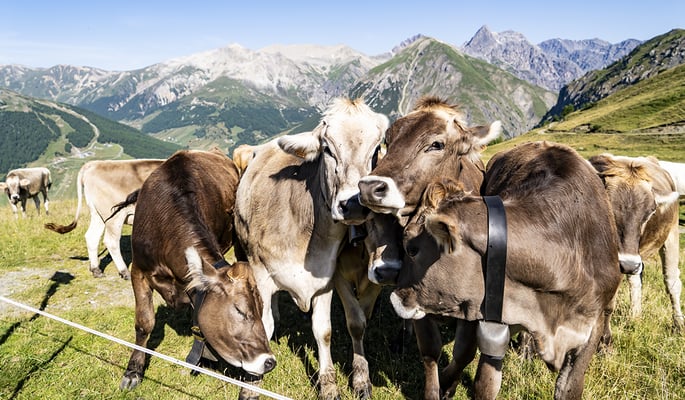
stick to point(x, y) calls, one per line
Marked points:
point(631, 267)
point(269, 364)
point(386, 275)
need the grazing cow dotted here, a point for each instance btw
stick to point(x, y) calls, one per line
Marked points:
point(431, 141)
point(292, 207)
point(645, 205)
point(104, 184)
point(677, 172)
point(26, 183)
point(184, 225)
point(560, 264)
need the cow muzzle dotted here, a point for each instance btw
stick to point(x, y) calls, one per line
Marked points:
point(15, 198)
point(630, 264)
point(380, 194)
point(385, 272)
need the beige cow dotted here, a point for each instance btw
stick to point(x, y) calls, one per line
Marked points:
point(27, 183)
point(103, 184)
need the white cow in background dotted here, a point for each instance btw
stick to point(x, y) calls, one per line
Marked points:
point(26, 183)
point(104, 184)
point(677, 172)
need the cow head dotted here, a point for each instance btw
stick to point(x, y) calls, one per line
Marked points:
point(436, 229)
point(13, 186)
point(345, 143)
point(430, 141)
point(639, 203)
point(230, 317)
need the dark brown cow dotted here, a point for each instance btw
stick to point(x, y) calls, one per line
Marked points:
point(433, 140)
point(184, 225)
point(27, 183)
point(561, 271)
point(645, 204)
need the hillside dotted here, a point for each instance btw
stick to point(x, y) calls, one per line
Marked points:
point(37, 132)
point(651, 58)
point(429, 66)
point(651, 105)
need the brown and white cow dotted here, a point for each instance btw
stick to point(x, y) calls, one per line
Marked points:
point(27, 183)
point(431, 141)
point(645, 205)
point(561, 266)
point(183, 227)
point(102, 184)
point(292, 211)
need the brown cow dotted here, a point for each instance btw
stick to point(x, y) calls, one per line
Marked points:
point(561, 265)
point(103, 184)
point(645, 204)
point(27, 183)
point(184, 225)
point(433, 140)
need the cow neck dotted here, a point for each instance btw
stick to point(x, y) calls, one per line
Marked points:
point(199, 342)
point(492, 335)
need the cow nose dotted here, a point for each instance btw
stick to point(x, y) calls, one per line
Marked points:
point(631, 266)
point(373, 190)
point(269, 364)
point(352, 209)
point(386, 275)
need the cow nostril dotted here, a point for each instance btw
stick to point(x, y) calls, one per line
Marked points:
point(380, 189)
point(269, 364)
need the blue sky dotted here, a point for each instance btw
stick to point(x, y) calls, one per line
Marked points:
point(125, 35)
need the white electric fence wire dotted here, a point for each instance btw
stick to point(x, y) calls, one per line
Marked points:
point(148, 351)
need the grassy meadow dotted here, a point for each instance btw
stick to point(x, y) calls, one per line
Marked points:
point(43, 359)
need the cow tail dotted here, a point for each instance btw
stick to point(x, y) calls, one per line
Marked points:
point(79, 194)
point(132, 198)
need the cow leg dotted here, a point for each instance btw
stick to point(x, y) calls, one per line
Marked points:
point(36, 201)
point(430, 346)
point(93, 235)
point(669, 261)
point(145, 322)
point(15, 211)
point(112, 241)
point(46, 203)
point(635, 282)
point(23, 207)
point(321, 327)
point(355, 317)
point(488, 377)
point(571, 378)
point(463, 352)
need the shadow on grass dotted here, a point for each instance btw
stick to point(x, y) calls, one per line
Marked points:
point(58, 279)
point(390, 348)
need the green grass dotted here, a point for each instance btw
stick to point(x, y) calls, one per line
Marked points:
point(42, 358)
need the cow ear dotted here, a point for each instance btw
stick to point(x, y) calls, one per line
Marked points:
point(3, 186)
point(24, 183)
point(484, 134)
point(667, 199)
point(304, 145)
point(199, 278)
point(444, 231)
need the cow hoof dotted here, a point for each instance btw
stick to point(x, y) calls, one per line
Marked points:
point(678, 325)
point(97, 273)
point(363, 393)
point(130, 380)
point(125, 275)
point(247, 394)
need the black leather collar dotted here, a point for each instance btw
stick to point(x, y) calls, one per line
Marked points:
point(199, 342)
point(496, 259)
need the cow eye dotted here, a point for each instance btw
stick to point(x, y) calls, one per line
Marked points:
point(241, 312)
point(436, 146)
point(412, 250)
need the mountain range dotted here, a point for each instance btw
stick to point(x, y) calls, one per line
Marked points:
point(233, 95)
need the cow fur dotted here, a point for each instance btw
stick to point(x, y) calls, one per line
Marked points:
point(27, 183)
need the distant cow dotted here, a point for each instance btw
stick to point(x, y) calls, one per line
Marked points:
point(103, 184)
point(645, 205)
point(293, 203)
point(27, 183)
point(432, 140)
point(183, 227)
point(560, 273)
